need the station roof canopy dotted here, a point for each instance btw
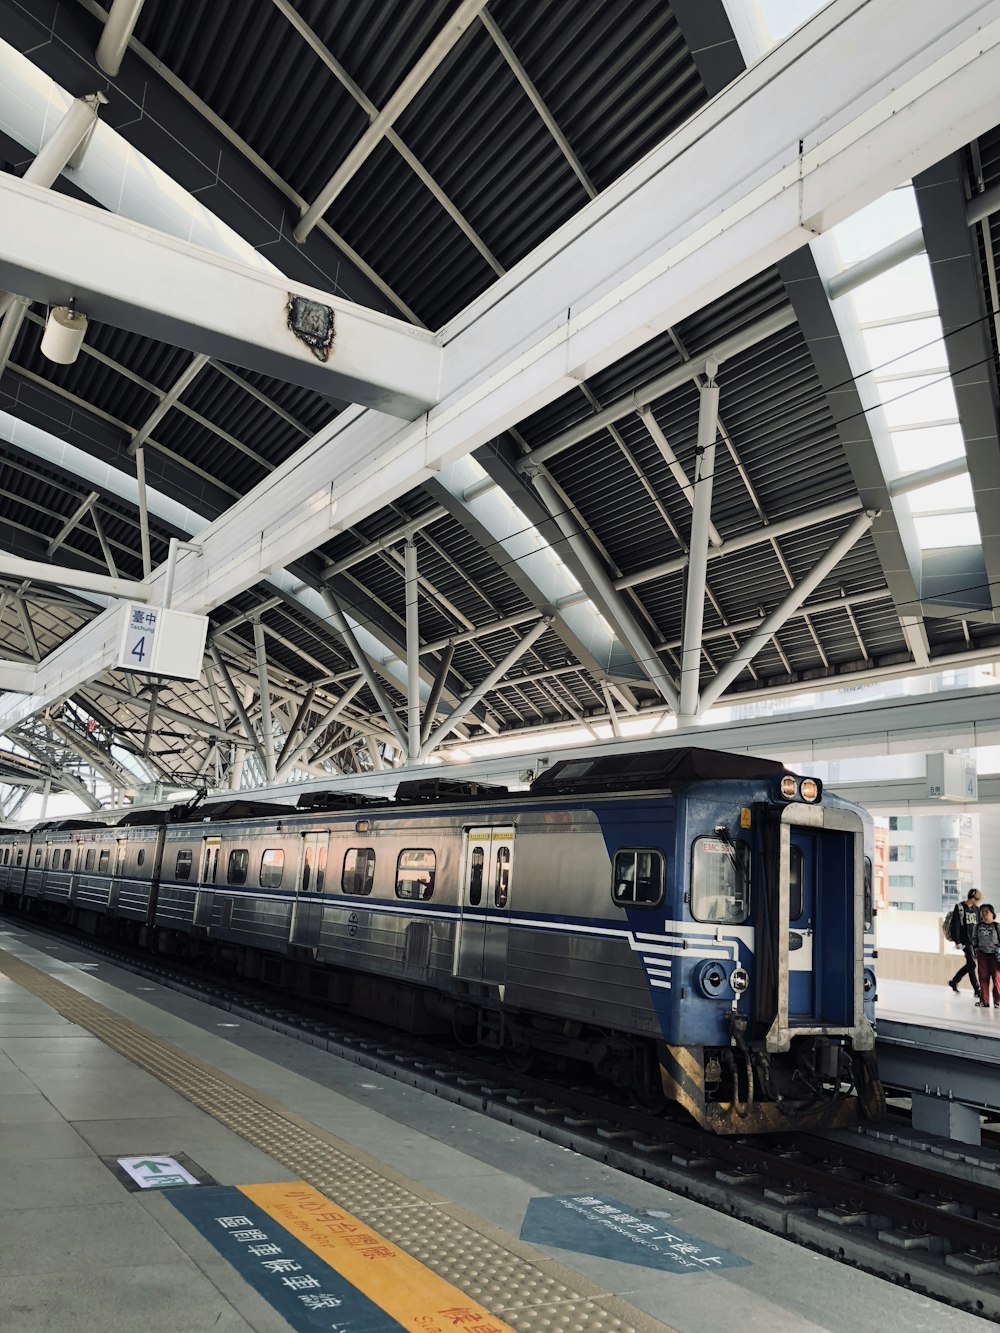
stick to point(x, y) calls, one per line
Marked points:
point(620, 359)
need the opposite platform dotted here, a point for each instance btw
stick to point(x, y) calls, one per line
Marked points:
point(409, 1212)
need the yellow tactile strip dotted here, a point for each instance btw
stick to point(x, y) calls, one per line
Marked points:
point(508, 1278)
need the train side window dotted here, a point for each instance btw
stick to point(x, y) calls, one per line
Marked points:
point(720, 880)
point(236, 871)
point(140, 858)
point(415, 874)
point(67, 858)
point(272, 867)
point(359, 871)
point(182, 866)
point(91, 858)
point(501, 889)
point(20, 855)
point(38, 856)
point(55, 858)
point(638, 877)
point(869, 895)
point(104, 861)
point(476, 876)
point(794, 883)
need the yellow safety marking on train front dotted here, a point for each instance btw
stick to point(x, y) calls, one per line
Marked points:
point(397, 1282)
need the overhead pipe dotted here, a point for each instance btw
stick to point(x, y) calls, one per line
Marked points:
point(412, 652)
point(266, 720)
point(796, 596)
point(697, 575)
point(118, 28)
point(889, 257)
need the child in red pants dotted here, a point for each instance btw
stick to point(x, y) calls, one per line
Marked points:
point(986, 939)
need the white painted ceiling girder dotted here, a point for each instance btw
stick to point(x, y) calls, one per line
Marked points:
point(863, 96)
point(55, 249)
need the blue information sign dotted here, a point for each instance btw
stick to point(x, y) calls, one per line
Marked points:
point(594, 1224)
point(301, 1286)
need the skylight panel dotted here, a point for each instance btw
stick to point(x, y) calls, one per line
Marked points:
point(907, 289)
point(918, 400)
point(916, 450)
point(871, 229)
point(897, 349)
point(944, 531)
point(954, 494)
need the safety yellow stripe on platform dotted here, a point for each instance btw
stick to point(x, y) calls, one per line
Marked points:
point(401, 1285)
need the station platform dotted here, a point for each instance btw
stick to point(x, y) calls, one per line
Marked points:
point(331, 1197)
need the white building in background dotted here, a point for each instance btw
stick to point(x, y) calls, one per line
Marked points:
point(933, 860)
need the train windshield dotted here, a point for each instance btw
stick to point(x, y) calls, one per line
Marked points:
point(720, 880)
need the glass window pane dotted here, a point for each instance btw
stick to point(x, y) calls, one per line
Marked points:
point(501, 888)
point(478, 861)
point(239, 860)
point(720, 881)
point(182, 866)
point(638, 877)
point(415, 874)
point(359, 870)
point(272, 867)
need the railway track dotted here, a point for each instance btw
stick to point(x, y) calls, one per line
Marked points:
point(932, 1226)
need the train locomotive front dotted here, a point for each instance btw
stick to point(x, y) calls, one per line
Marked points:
point(759, 966)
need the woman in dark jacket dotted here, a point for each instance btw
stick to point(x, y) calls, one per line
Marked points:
point(987, 945)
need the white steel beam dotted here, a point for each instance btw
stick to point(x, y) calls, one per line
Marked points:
point(13, 566)
point(82, 509)
point(803, 139)
point(701, 521)
point(266, 721)
point(412, 652)
point(53, 248)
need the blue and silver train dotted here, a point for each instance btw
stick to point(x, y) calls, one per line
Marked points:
point(695, 926)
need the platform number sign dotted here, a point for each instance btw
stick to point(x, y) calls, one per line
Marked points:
point(139, 637)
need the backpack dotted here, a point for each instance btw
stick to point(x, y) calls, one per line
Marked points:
point(953, 926)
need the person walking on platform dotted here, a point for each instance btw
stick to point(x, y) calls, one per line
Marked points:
point(965, 919)
point(987, 941)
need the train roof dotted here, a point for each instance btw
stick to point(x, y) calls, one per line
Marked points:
point(649, 770)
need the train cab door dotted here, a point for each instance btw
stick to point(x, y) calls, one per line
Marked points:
point(481, 941)
point(308, 910)
point(821, 927)
point(205, 897)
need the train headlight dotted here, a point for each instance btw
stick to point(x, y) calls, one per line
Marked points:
point(809, 789)
point(721, 981)
point(789, 787)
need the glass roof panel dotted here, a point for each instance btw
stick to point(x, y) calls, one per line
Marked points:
point(946, 530)
point(919, 399)
point(906, 289)
point(919, 449)
point(873, 228)
point(956, 493)
point(914, 346)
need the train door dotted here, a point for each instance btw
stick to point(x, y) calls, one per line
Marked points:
point(115, 888)
point(205, 896)
point(821, 927)
point(307, 911)
point(481, 942)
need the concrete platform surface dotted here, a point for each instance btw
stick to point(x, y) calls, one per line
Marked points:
point(82, 1253)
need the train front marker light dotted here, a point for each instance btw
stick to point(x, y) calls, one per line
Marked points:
point(789, 787)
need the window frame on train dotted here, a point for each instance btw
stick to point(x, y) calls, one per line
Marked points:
point(185, 858)
point(238, 866)
point(38, 858)
point(737, 857)
point(796, 870)
point(418, 867)
point(90, 859)
point(367, 880)
point(627, 858)
point(266, 875)
point(104, 861)
point(67, 858)
point(54, 859)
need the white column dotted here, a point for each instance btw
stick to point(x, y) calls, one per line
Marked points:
point(701, 521)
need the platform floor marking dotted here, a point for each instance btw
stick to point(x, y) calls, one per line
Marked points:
point(532, 1290)
point(399, 1284)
